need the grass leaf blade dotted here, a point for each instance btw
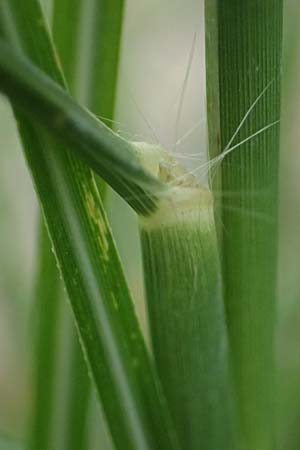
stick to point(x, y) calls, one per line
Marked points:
point(111, 156)
point(46, 314)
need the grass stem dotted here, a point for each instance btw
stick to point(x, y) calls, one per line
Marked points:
point(243, 61)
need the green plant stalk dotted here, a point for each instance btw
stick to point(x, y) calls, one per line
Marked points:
point(101, 30)
point(66, 35)
point(186, 314)
point(79, 388)
point(46, 304)
point(105, 33)
point(44, 101)
point(106, 30)
point(88, 260)
point(244, 57)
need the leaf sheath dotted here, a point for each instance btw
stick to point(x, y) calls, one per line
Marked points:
point(187, 318)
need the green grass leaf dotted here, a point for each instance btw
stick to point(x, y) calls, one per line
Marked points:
point(105, 42)
point(46, 329)
point(111, 156)
point(67, 34)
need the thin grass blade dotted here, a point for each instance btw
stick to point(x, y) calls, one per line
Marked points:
point(46, 326)
point(66, 28)
point(105, 39)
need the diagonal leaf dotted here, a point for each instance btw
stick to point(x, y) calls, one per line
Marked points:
point(111, 156)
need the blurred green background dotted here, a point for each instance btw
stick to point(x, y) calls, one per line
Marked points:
point(157, 42)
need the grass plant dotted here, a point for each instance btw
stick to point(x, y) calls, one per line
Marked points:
point(208, 379)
